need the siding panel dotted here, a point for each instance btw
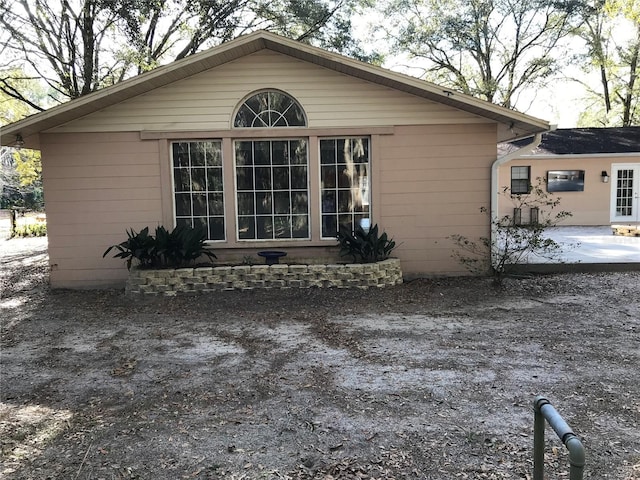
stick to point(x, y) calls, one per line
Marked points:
point(434, 179)
point(91, 204)
point(207, 101)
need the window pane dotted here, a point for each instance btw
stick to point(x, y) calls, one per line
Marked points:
point(244, 178)
point(196, 150)
point(299, 152)
point(182, 180)
point(180, 154)
point(185, 222)
point(280, 153)
point(246, 203)
point(199, 204)
point(329, 176)
point(281, 178)
point(183, 204)
point(198, 179)
point(344, 201)
point(282, 227)
point(263, 203)
point(246, 228)
point(216, 228)
point(262, 153)
point(329, 201)
point(244, 153)
point(200, 222)
point(299, 178)
point(263, 178)
point(300, 226)
point(300, 203)
point(329, 226)
point(216, 204)
point(264, 227)
point(327, 151)
point(214, 179)
point(344, 177)
point(213, 152)
point(282, 202)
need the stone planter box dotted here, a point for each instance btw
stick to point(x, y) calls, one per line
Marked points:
point(246, 277)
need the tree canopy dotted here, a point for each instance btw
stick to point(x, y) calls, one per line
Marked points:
point(492, 49)
point(79, 46)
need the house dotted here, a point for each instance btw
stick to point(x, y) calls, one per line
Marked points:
point(268, 143)
point(595, 172)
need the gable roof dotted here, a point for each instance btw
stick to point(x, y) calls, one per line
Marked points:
point(512, 124)
point(583, 141)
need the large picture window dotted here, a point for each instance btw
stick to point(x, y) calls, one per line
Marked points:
point(272, 189)
point(198, 188)
point(344, 170)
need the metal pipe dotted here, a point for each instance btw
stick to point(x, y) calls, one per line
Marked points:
point(543, 410)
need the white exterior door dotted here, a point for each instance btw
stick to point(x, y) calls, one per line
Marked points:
point(625, 193)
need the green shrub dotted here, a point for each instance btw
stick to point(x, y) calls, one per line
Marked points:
point(175, 249)
point(30, 230)
point(365, 247)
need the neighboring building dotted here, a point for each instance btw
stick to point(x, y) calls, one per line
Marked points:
point(269, 143)
point(594, 171)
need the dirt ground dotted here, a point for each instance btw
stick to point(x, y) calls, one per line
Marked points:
point(433, 379)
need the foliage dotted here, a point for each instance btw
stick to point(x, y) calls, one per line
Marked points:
point(492, 49)
point(21, 179)
point(30, 230)
point(513, 243)
point(175, 249)
point(364, 246)
point(616, 57)
point(79, 47)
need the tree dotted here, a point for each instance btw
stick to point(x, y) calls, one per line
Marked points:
point(80, 46)
point(615, 57)
point(20, 170)
point(492, 49)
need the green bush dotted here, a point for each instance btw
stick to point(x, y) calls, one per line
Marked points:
point(365, 247)
point(175, 249)
point(30, 230)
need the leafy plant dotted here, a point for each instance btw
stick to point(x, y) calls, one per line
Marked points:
point(514, 243)
point(168, 249)
point(365, 246)
point(30, 230)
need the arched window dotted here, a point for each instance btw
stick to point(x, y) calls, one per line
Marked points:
point(270, 109)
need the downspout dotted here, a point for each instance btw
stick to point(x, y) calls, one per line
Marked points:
point(494, 185)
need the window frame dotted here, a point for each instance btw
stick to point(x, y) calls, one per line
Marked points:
point(222, 192)
point(356, 217)
point(519, 191)
point(268, 91)
point(255, 191)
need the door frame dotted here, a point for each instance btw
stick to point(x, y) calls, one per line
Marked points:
point(635, 205)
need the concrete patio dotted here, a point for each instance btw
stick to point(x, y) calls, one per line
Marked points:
point(594, 246)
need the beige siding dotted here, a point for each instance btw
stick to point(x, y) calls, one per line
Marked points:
point(590, 207)
point(433, 181)
point(207, 101)
point(96, 187)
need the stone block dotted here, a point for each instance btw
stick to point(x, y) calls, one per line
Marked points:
point(297, 269)
point(260, 269)
point(317, 269)
point(354, 268)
